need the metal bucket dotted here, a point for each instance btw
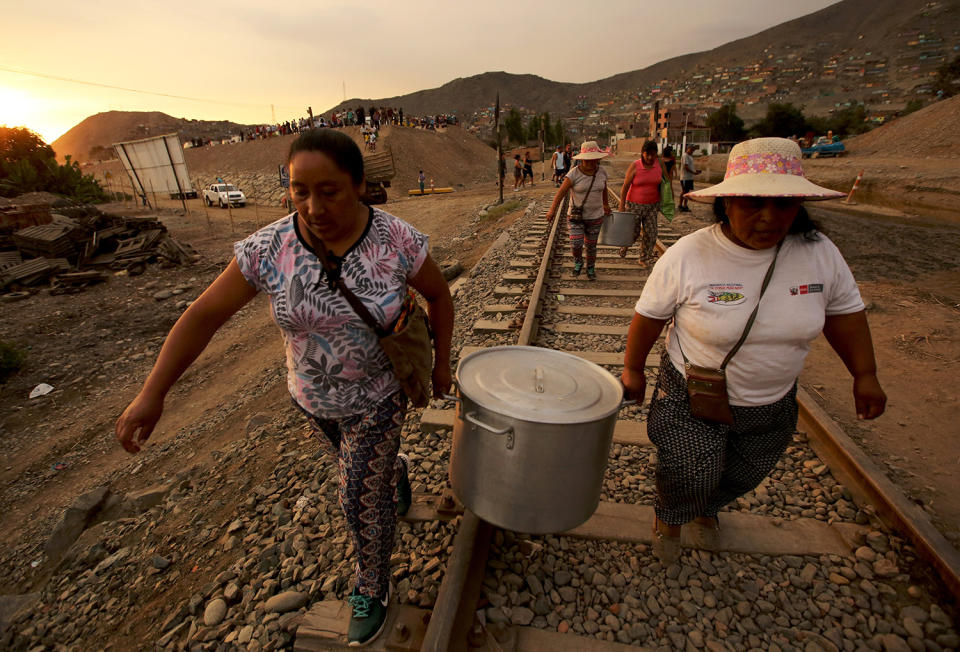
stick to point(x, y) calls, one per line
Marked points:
point(532, 437)
point(618, 230)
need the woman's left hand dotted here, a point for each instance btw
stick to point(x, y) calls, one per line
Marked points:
point(442, 380)
point(868, 396)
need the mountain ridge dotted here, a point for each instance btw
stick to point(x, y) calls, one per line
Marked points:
point(878, 52)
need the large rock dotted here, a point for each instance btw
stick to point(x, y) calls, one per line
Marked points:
point(12, 606)
point(214, 613)
point(286, 601)
point(77, 517)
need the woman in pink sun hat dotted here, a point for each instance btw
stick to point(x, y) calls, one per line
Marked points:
point(742, 299)
point(587, 183)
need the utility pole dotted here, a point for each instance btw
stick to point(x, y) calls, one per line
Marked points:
point(542, 154)
point(683, 146)
point(496, 129)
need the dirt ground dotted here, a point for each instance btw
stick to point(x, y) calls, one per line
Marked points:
point(96, 348)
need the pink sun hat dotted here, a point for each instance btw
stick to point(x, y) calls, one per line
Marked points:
point(765, 167)
point(590, 151)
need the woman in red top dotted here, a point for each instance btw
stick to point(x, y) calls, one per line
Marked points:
point(641, 195)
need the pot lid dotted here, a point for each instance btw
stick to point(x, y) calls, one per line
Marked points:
point(538, 385)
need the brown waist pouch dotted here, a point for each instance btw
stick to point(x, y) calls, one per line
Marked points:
point(707, 389)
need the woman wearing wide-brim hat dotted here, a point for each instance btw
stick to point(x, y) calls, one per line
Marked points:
point(588, 205)
point(763, 256)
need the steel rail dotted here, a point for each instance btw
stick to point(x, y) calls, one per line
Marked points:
point(871, 486)
point(460, 589)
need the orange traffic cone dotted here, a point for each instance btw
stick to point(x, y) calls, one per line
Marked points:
point(856, 184)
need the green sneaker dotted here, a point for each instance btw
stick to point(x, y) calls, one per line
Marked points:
point(591, 273)
point(404, 495)
point(577, 267)
point(367, 619)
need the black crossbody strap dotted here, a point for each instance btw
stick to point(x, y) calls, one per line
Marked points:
point(351, 298)
point(753, 315)
point(592, 179)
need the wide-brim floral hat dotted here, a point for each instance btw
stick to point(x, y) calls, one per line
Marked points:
point(590, 151)
point(765, 167)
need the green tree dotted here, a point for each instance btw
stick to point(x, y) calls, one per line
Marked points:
point(514, 127)
point(782, 120)
point(725, 125)
point(547, 130)
point(20, 146)
point(913, 105)
point(533, 128)
point(947, 83)
point(28, 164)
point(559, 133)
point(850, 121)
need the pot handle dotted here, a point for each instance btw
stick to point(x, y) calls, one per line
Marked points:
point(471, 417)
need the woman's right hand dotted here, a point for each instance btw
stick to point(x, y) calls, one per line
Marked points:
point(137, 422)
point(634, 385)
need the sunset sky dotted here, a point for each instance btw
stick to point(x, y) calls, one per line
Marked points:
point(233, 60)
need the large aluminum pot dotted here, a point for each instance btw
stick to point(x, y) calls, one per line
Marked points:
point(618, 229)
point(532, 437)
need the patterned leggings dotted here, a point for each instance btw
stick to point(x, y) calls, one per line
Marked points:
point(702, 466)
point(587, 232)
point(366, 447)
point(646, 230)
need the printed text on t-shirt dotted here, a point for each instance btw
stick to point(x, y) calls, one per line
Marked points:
point(726, 294)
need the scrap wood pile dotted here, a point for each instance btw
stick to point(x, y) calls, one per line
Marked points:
point(78, 246)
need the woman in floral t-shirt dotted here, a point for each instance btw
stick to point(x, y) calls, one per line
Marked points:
point(337, 373)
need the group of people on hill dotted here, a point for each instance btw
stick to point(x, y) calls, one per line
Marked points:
point(741, 301)
point(378, 117)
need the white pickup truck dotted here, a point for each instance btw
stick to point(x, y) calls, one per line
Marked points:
point(222, 193)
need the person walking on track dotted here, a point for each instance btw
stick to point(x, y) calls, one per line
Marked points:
point(338, 375)
point(743, 298)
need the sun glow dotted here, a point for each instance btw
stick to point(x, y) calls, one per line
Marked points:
point(21, 109)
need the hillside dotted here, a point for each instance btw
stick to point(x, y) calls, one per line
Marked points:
point(104, 129)
point(451, 157)
point(933, 131)
point(878, 52)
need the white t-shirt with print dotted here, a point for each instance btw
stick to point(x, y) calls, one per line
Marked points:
point(710, 286)
point(593, 209)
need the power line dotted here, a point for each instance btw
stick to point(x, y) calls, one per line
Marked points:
point(133, 90)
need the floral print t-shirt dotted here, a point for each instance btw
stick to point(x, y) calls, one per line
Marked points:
point(335, 365)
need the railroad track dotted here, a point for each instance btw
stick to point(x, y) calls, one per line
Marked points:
point(800, 563)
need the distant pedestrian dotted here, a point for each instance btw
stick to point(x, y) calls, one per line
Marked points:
point(517, 173)
point(422, 180)
point(556, 165)
point(527, 168)
point(588, 204)
point(687, 171)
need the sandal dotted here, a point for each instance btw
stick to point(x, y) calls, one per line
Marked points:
point(622, 252)
point(666, 547)
point(706, 532)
